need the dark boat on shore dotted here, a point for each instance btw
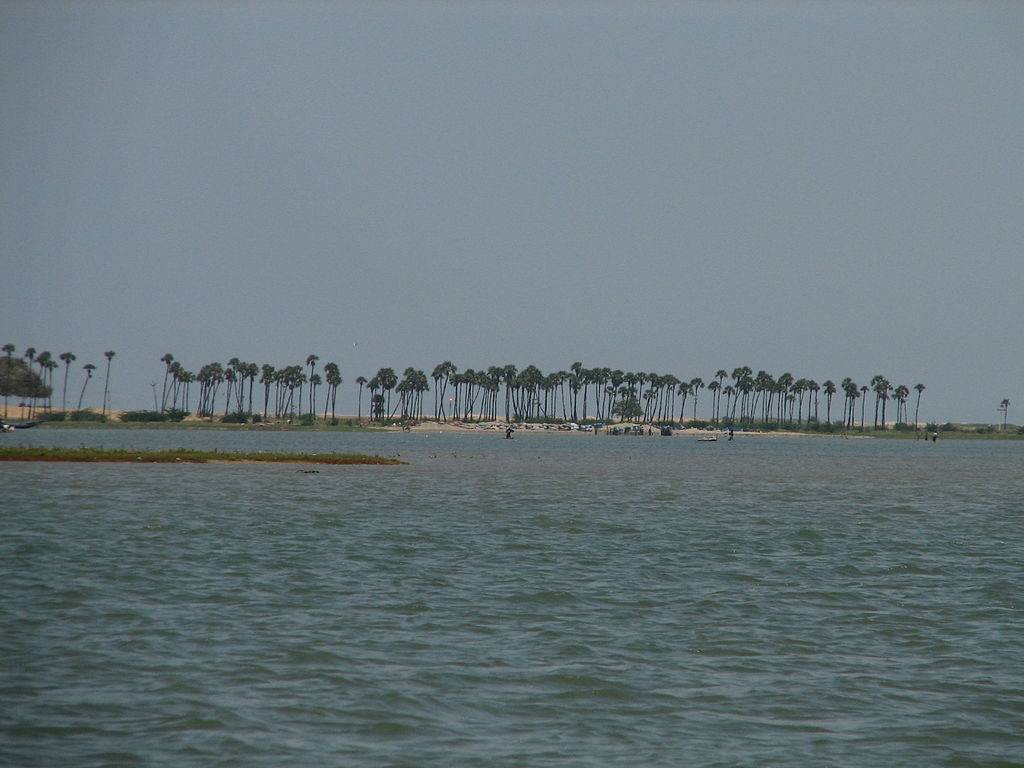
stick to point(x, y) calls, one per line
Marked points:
point(5, 427)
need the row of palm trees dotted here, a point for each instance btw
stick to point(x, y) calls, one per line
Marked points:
point(283, 388)
point(529, 394)
point(577, 394)
point(43, 399)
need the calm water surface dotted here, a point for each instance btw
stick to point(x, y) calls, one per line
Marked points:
point(551, 600)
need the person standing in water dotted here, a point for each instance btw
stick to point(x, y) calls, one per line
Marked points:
point(508, 433)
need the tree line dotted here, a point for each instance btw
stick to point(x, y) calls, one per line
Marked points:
point(577, 394)
point(20, 377)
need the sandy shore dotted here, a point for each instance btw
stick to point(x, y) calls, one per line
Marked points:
point(17, 412)
point(499, 427)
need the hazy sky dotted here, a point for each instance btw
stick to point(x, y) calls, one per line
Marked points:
point(832, 189)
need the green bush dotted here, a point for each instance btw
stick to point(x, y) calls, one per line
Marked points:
point(307, 420)
point(235, 418)
point(87, 416)
point(52, 416)
point(143, 416)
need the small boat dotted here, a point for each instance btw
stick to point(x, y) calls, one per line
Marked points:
point(713, 439)
point(5, 427)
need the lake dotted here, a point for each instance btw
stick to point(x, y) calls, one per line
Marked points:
point(553, 600)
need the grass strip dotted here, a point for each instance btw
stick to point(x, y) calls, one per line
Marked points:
point(182, 456)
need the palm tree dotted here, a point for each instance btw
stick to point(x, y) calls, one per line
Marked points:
point(311, 361)
point(878, 386)
point(388, 381)
point(360, 380)
point(167, 360)
point(266, 379)
point(829, 388)
point(333, 376)
point(919, 388)
point(30, 353)
point(9, 350)
point(901, 394)
point(1004, 406)
point(88, 368)
point(51, 366)
point(864, 398)
point(109, 354)
point(696, 385)
point(67, 358)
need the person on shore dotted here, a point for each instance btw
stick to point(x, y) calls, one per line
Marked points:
point(935, 436)
point(730, 433)
point(508, 433)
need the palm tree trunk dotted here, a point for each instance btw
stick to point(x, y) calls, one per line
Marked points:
point(106, 383)
point(82, 395)
point(64, 396)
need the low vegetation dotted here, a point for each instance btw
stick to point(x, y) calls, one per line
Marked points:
point(22, 453)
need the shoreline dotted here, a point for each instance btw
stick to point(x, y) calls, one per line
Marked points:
point(350, 423)
point(183, 456)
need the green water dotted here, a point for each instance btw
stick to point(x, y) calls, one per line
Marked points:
point(551, 600)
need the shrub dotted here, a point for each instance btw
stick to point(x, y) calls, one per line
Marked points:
point(87, 416)
point(172, 414)
point(234, 418)
point(307, 420)
point(52, 416)
point(334, 422)
point(143, 416)
point(257, 418)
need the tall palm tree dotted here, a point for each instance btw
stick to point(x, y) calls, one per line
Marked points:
point(333, 376)
point(167, 360)
point(1004, 406)
point(864, 397)
point(30, 353)
point(266, 379)
point(829, 389)
point(67, 358)
point(696, 385)
point(360, 380)
point(109, 354)
point(388, 381)
point(311, 361)
point(919, 388)
point(9, 351)
point(88, 368)
point(51, 366)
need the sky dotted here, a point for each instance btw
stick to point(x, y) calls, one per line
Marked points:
point(830, 189)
